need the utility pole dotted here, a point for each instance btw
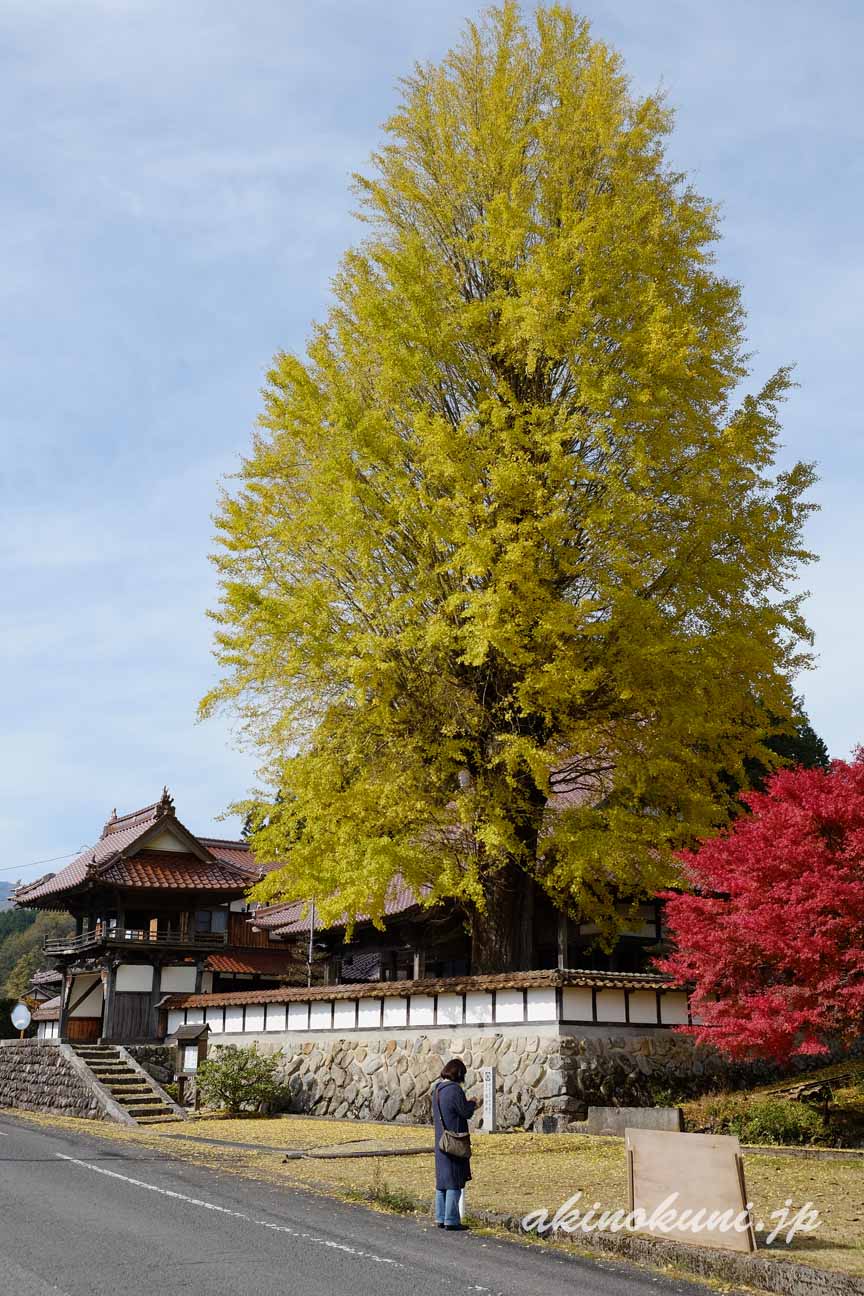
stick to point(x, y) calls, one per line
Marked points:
point(311, 939)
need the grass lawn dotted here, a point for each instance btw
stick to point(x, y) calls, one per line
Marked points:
point(513, 1173)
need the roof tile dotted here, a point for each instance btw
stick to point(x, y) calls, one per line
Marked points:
point(442, 985)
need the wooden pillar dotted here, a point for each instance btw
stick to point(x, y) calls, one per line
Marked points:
point(199, 973)
point(563, 939)
point(419, 964)
point(155, 996)
point(64, 1004)
point(108, 1006)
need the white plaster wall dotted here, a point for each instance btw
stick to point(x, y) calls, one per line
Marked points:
point(643, 1007)
point(542, 1005)
point(344, 1013)
point(395, 1011)
point(478, 1007)
point(414, 1015)
point(673, 1008)
point(422, 1010)
point(135, 976)
point(166, 841)
point(611, 1006)
point(578, 1004)
point(510, 1005)
point(254, 1018)
point(320, 1014)
point(214, 1019)
point(369, 1013)
point(91, 1004)
point(277, 1017)
point(180, 980)
point(449, 1010)
point(234, 1018)
point(298, 1016)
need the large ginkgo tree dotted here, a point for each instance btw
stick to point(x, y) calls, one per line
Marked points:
point(505, 575)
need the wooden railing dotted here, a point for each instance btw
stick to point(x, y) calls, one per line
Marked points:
point(101, 935)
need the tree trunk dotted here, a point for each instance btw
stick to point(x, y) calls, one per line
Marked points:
point(502, 935)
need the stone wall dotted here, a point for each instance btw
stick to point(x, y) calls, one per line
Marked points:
point(41, 1076)
point(544, 1082)
point(156, 1059)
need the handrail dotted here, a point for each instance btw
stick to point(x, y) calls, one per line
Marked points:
point(121, 936)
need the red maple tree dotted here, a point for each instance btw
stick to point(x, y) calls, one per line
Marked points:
point(772, 938)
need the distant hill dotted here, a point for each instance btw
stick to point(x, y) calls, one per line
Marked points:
point(5, 893)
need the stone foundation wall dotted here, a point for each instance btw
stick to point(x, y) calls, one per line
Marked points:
point(543, 1082)
point(156, 1059)
point(39, 1076)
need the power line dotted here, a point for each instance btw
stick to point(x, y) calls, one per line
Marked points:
point(17, 868)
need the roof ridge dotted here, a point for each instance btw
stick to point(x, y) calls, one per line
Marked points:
point(116, 823)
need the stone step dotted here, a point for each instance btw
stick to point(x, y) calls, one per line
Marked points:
point(152, 1110)
point(168, 1118)
point(127, 1091)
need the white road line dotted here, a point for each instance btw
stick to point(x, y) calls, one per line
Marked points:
point(224, 1210)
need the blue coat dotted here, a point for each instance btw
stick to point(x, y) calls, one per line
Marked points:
point(450, 1171)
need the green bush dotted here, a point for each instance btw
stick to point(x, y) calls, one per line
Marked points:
point(239, 1079)
point(758, 1120)
point(777, 1120)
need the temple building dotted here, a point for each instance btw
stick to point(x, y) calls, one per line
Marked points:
point(157, 911)
point(161, 913)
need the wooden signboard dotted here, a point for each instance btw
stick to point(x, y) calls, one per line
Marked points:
point(704, 1173)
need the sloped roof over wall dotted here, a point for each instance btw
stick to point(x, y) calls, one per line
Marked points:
point(442, 985)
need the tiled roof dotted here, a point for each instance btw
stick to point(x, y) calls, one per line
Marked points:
point(443, 985)
point(290, 920)
point(175, 870)
point(117, 834)
point(236, 853)
point(261, 962)
point(48, 1011)
point(225, 864)
point(47, 976)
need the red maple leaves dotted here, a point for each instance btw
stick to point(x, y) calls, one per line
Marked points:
point(773, 938)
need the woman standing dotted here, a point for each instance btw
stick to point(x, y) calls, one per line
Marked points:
point(450, 1111)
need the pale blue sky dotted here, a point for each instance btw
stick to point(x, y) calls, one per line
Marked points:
point(174, 195)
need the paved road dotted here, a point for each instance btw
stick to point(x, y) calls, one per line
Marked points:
point(82, 1217)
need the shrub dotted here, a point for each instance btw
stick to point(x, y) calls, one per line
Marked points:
point(777, 1120)
point(758, 1120)
point(239, 1079)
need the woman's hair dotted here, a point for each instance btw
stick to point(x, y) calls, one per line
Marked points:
point(455, 1069)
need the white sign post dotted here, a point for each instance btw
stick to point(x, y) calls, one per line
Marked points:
point(489, 1122)
point(21, 1018)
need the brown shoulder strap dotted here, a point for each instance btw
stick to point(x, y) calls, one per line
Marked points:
point(438, 1089)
